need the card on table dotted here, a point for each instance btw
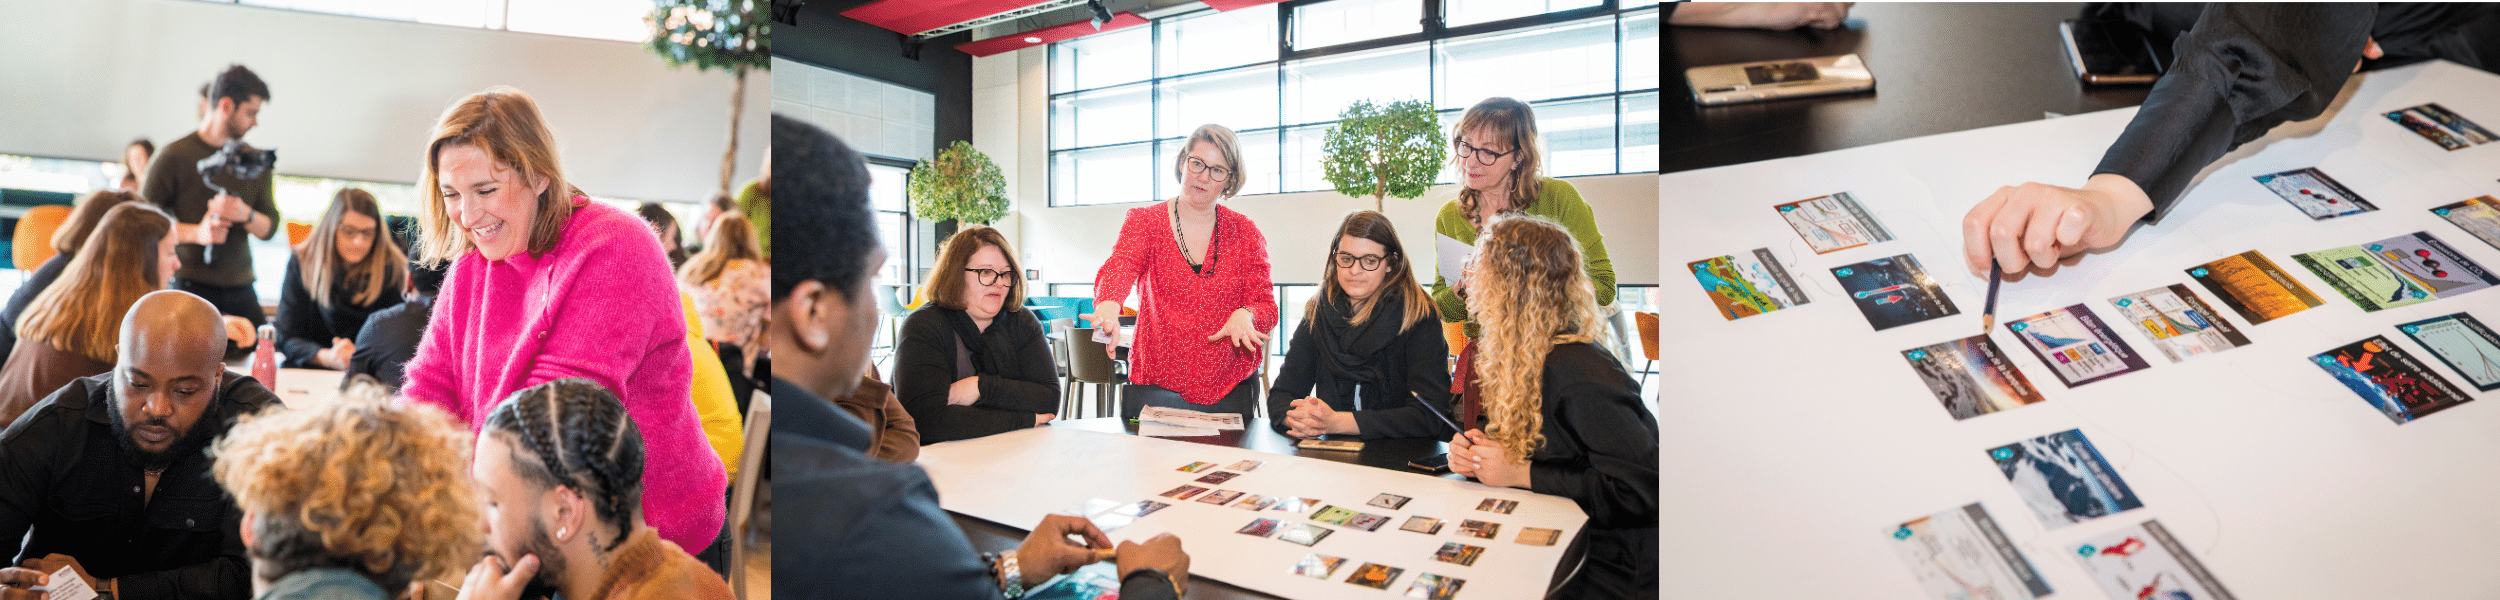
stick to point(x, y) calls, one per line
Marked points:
point(1218, 477)
point(1537, 536)
point(1747, 285)
point(1197, 466)
point(1090, 508)
point(1459, 554)
point(2180, 323)
point(1390, 501)
point(2076, 345)
point(2397, 271)
point(1295, 505)
point(1373, 575)
point(1333, 515)
point(1478, 529)
point(2478, 216)
point(1434, 587)
point(1833, 223)
point(1140, 509)
point(1497, 505)
point(1183, 492)
point(1958, 550)
point(1423, 525)
point(1971, 377)
point(1317, 566)
point(1367, 521)
point(1894, 291)
point(1246, 466)
point(2144, 561)
point(1255, 502)
point(2437, 124)
point(2464, 343)
point(2064, 479)
point(2315, 194)
point(1261, 527)
point(1220, 497)
point(2390, 379)
point(2251, 285)
point(1305, 534)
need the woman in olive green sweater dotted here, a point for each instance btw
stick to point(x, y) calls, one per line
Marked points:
point(1501, 167)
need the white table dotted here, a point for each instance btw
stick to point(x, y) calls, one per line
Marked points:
point(307, 388)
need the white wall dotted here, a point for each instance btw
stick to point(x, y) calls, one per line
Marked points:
point(873, 116)
point(1011, 110)
point(354, 98)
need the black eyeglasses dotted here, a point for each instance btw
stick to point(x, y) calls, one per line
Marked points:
point(991, 277)
point(1219, 173)
point(1482, 156)
point(1370, 262)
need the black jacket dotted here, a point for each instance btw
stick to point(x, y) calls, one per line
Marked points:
point(35, 284)
point(1020, 381)
point(1419, 362)
point(1601, 451)
point(874, 528)
point(64, 477)
point(305, 327)
point(390, 338)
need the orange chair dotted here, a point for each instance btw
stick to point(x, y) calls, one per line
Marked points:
point(1648, 324)
point(295, 233)
point(33, 243)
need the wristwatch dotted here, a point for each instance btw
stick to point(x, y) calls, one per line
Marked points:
point(1010, 576)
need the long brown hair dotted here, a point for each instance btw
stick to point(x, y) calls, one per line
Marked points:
point(82, 219)
point(731, 238)
point(1399, 281)
point(1532, 295)
point(324, 269)
point(946, 282)
point(1511, 121)
point(505, 124)
point(82, 312)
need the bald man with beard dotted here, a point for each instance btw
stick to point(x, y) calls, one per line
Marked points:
point(109, 472)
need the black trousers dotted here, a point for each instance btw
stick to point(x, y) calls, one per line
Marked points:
point(1135, 398)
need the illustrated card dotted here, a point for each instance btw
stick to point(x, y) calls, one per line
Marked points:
point(2251, 285)
point(1367, 522)
point(1423, 525)
point(1317, 566)
point(1305, 534)
point(1892, 292)
point(2465, 344)
point(1960, 554)
point(2437, 124)
point(2477, 216)
point(1390, 501)
point(1333, 515)
point(1457, 553)
point(1833, 223)
point(1294, 505)
point(1255, 502)
point(2180, 323)
point(1261, 527)
point(1197, 466)
point(2064, 479)
point(2144, 561)
point(1220, 497)
point(2315, 194)
point(2391, 380)
point(1479, 529)
point(1747, 285)
point(1246, 466)
point(1376, 576)
point(2076, 345)
point(1218, 477)
point(1434, 587)
point(1971, 377)
point(1535, 536)
point(1140, 508)
point(2397, 271)
point(1183, 492)
point(1497, 505)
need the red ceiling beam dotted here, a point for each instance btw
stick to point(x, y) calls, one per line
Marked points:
point(1061, 33)
point(914, 16)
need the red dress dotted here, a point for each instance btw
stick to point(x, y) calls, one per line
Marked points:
point(1179, 307)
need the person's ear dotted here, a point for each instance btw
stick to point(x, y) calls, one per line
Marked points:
point(571, 512)
point(538, 187)
point(249, 519)
point(811, 316)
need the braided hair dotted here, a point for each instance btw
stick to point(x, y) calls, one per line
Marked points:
point(582, 439)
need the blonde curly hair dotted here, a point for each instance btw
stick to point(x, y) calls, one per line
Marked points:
point(366, 484)
point(1533, 296)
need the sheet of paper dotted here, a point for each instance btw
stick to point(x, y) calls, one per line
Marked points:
point(1154, 429)
point(1181, 417)
point(65, 585)
point(1452, 255)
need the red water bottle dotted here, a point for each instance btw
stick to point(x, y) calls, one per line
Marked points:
point(265, 358)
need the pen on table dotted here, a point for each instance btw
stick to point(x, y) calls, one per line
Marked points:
point(1436, 413)
point(1988, 317)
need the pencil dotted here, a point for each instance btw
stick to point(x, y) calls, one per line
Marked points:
point(1988, 317)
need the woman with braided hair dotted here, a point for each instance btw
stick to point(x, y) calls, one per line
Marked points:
point(563, 456)
point(1555, 413)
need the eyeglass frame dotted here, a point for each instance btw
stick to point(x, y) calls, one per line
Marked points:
point(1467, 150)
point(991, 276)
point(1221, 175)
point(1347, 260)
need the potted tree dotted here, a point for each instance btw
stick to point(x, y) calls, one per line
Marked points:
point(1382, 151)
point(714, 35)
point(959, 185)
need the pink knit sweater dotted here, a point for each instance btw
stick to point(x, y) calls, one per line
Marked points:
point(602, 306)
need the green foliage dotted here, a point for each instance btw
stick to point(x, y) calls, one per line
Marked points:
point(712, 34)
point(960, 183)
point(1378, 151)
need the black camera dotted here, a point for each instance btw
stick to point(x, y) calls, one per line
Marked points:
point(237, 162)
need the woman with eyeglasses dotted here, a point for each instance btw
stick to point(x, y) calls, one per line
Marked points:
point(1200, 270)
point(345, 271)
point(1368, 343)
point(1501, 169)
point(973, 362)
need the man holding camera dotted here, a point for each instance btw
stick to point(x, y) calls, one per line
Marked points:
point(214, 209)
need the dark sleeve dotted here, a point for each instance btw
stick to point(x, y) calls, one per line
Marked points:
point(1035, 389)
point(32, 444)
point(162, 185)
point(302, 333)
point(1293, 380)
point(368, 358)
point(1427, 372)
point(1616, 482)
point(266, 203)
point(924, 369)
point(35, 284)
point(1147, 586)
point(226, 576)
point(876, 530)
point(2242, 70)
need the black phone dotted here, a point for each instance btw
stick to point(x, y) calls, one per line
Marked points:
point(1438, 463)
point(2113, 52)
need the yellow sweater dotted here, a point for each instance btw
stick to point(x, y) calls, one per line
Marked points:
point(712, 401)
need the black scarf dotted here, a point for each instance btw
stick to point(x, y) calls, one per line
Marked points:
point(969, 336)
point(1353, 352)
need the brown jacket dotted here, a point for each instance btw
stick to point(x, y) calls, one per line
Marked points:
point(898, 438)
point(650, 568)
point(36, 370)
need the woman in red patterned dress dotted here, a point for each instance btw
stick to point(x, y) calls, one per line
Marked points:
point(1201, 275)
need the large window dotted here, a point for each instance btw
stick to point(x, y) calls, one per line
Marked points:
point(1121, 103)
point(619, 20)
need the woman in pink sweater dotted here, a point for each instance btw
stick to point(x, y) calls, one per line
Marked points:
point(545, 285)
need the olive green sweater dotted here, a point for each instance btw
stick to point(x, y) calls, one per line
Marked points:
point(1561, 204)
